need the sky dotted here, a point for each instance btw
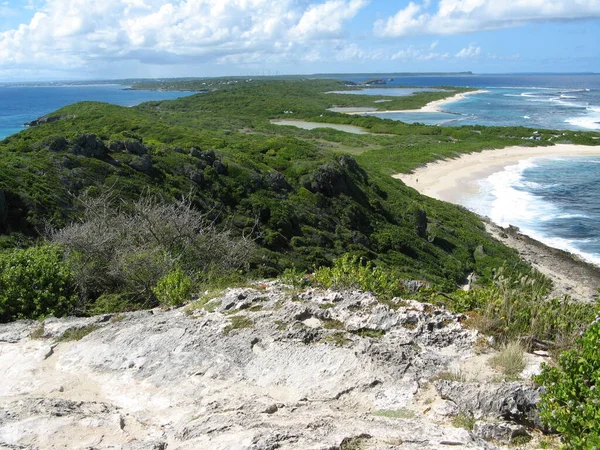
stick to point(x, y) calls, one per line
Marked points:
point(115, 39)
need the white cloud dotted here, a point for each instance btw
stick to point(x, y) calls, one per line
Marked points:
point(467, 16)
point(76, 33)
point(415, 54)
point(469, 52)
point(326, 19)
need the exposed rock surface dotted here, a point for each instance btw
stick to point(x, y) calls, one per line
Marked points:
point(256, 368)
point(513, 401)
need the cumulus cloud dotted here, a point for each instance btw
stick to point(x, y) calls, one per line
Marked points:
point(469, 52)
point(416, 54)
point(467, 16)
point(73, 33)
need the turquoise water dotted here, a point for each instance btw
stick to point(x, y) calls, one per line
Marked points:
point(20, 104)
point(554, 200)
point(561, 102)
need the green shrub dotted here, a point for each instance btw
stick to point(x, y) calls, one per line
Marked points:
point(174, 288)
point(35, 282)
point(350, 272)
point(571, 403)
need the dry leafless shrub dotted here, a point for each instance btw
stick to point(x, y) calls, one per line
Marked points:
point(125, 248)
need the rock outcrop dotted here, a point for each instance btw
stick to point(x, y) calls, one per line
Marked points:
point(263, 368)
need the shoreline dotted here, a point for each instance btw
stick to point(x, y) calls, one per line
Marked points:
point(451, 179)
point(431, 107)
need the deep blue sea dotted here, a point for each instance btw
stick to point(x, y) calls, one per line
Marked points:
point(555, 200)
point(20, 104)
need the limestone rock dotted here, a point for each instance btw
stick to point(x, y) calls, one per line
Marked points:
point(498, 431)
point(258, 368)
point(514, 401)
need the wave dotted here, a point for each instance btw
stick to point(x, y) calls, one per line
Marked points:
point(589, 122)
point(505, 198)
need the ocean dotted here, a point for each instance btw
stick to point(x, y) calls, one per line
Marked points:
point(24, 103)
point(554, 200)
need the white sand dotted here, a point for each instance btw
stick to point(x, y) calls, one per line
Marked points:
point(452, 178)
point(431, 107)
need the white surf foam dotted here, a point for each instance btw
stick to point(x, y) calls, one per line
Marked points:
point(501, 199)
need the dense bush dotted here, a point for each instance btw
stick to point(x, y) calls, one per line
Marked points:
point(35, 282)
point(119, 252)
point(571, 403)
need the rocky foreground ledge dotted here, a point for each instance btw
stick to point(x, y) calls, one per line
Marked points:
point(261, 368)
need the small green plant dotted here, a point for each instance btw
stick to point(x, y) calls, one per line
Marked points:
point(238, 322)
point(374, 334)
point(294, 277)
point(38, 332)
point(76, 334)
point(174, 288)
point(464, 420)
point(451, 375)
point(35, 282)
point(351, 272)
point(402, 413)
point(338, 338)
point(510, 360)
point(571, 402)
point(518, 441)
point(332, 324)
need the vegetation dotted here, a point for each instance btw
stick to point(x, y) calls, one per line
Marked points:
point(174, 288)
point(34, 283)
point(515, 307)
point(510, 360)
point(571, 402)
point(206, 183)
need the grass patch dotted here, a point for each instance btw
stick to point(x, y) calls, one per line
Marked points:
point(38, 333)
point(518, 441)
point(238, 322)
point(402, 413)
point(205, 302)
point(326, 306)
point(76, 334)
point(332, 324)
point(340, 339)
point(281, 325)
point(510, 361)
point(451, 375)
point(465, 421)
point(367, 332)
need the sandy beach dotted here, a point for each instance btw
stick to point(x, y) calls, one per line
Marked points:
point(451, 179)
point(431, 107)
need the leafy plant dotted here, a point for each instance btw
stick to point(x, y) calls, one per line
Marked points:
point(351, 272)
point(571, 401)
point(35, 282)
point(174, 288)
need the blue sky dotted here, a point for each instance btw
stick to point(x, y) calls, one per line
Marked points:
point(90, 39)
